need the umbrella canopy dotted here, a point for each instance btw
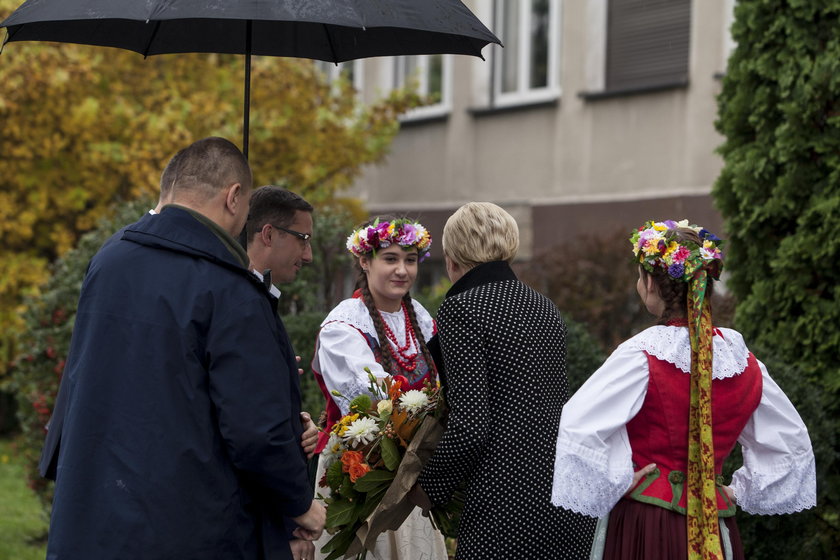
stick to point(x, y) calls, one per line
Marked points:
point(329, 30)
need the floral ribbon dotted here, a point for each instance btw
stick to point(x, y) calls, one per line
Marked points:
point(702, 511)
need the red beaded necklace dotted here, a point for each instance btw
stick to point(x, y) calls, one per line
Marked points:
point(406, 360)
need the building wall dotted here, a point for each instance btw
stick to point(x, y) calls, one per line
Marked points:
point(572, 162)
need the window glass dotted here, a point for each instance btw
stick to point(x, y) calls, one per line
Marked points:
point(510, 54)
point(539, 44)
point(526, 69)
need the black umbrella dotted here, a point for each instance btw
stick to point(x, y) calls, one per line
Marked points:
point(329, 30)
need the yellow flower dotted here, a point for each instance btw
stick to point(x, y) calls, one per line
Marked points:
point(659, 226)
point(652, 246)
point(341, 426)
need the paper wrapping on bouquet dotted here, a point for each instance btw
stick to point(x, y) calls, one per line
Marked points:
point(395, 506)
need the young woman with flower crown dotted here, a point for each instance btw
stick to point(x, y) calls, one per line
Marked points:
point(644, 439)
point(383, 329)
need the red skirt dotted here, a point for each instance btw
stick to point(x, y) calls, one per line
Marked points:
point(639, 531)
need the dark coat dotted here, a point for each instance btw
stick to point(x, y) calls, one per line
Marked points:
point(504, 349)
point(180, 432)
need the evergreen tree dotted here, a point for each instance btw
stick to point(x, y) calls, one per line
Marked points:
point(779, 193)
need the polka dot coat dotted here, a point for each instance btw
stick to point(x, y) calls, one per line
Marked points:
point(504, 353)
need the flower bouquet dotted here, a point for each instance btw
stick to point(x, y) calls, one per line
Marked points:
point(373, 458)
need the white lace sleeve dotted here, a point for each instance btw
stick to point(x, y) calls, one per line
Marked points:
point(342, 356)
point(593, 467)
point(779, 474)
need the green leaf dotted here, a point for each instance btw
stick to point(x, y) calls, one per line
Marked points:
point(374, 479)
point(338, 544)
point(390, 453)
point(361, 404)
point(334, 475)
point(347, 489)
point(372, 500)
point(340, 513)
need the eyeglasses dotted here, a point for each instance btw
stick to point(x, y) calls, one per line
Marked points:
point(302, 236)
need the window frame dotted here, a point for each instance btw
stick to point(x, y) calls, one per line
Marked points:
point(524, 94)
point(397, 81)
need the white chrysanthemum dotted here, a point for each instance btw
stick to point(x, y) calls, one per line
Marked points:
point(413, 400)
point(333, 449)
point(384, 406)
point(361, 430)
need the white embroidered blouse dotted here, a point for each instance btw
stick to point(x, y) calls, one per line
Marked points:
point(593, 467)
point(342, 353)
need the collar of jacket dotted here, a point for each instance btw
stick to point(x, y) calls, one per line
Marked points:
point(180, 229)
point(229, 242)
point(484, 273)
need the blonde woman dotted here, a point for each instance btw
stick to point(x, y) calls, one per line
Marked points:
point(504, 354)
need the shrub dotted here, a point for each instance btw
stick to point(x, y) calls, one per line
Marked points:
point(49, 318)
point(779, 194)
point(808, 534)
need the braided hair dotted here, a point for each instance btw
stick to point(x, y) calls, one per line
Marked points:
point(384, 347)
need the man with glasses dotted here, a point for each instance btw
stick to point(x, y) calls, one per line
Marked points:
point(179, 436)
point(278, 231)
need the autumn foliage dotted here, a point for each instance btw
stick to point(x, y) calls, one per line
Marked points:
point(86, 127)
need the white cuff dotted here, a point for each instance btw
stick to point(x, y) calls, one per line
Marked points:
point(583, 481)
point(785, 487)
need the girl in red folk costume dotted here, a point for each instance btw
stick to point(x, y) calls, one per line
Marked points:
point(383, 329)
point(670, 404)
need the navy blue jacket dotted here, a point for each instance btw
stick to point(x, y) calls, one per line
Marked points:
point(180, 431)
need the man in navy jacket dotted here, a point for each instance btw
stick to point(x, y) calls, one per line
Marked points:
point(181, 432)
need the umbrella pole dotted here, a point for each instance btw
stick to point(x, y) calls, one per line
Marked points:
point(247, 113)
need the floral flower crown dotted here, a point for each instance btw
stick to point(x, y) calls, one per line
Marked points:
point(380, 235)
point(656, 245)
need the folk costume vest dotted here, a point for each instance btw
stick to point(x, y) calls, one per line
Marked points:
point(659, 431)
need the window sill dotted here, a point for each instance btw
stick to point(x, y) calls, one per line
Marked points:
point(417, 120)
point(627, 92)
point(513, 108)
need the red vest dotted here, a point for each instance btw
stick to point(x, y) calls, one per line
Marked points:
point(659, 432)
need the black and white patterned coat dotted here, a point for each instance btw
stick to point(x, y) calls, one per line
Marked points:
point(504, 351)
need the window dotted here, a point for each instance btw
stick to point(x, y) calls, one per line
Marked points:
point(526, 69)
point(647, 43)
point(429, 74)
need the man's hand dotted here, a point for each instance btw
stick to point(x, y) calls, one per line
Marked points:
point(302, 549)
point(311, 523)
point(309, 438)
point(300, 370)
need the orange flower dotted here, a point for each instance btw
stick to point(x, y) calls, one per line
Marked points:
point(353, 462)
point(396, 386)
point(350, 459)
point(358, 470)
